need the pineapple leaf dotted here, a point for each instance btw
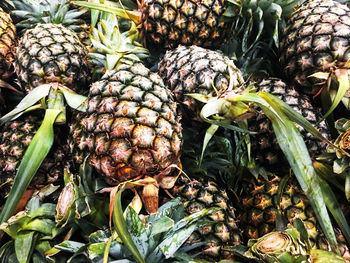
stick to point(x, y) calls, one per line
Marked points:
point(24, 245)
point(44, 210)
point(137, 231)
point(6, 252)
point(347, 186)
point(122, 13)
point(44, 225)
point(342, 76)
point(32, 159)
point(73, 99)
point(208, 135)
point(29, 100)
point(121, 225)
point(161, 225)
point(171, 244)
point(334, 207)
point(70, 246)
point(325, 172)
point(294, 116)
point(294, 148)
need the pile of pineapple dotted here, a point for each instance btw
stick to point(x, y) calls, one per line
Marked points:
point(174, 131)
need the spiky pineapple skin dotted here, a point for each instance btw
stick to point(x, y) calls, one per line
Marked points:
point(15, 137)
point(265, 148)
point(130, 128)
point(8, 42)
point(316, 39)
point(224, 231)
point(52, 53)
point(260, 204)
point(194, 69)
point(169, 23)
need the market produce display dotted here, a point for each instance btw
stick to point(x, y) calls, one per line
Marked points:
point(174, 131)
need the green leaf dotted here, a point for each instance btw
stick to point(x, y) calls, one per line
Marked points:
point(137, 230)
point(191, 219)
point(73, 99)
point(161, 225)
point(122, 13)
point(294, 148)
point(107, 249)
point(294, 116)
point(171, 244)
point(32, 159)
point(347, 186)
point(70, 246)
point(208, 135)
point(29, 100)
point(24, 246)
point(42, 247)
point(325, 172)
point(304, 237)
point(44, 210)
point(14, 223)
point(334, 207)
point(344, 85)
point(6, 252)
point(44, 225)
point(121, 227)
point(323, 256)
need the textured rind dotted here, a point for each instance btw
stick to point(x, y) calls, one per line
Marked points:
point(15, 137)
point(168, 23)
point(195, 69)
point(224, 232)
point(259, 210)
point(265, 148)
point(8, 42)
point(316, 39)
point(130, 128)
point(52, 53)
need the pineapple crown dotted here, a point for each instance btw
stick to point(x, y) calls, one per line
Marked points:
point(33, 12)
point(255, 33)
point(6, 5)
point(111, 47)
point(254, 20)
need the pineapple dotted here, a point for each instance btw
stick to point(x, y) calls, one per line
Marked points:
point(315, 40)
point(202, 187)
point(167, 24)
point(197, 70)
point(265, 148)
point(261, 208)
point(130, 128)
point(15, 137)
point(50, 52)
point(223, 230)
point(8, 42)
